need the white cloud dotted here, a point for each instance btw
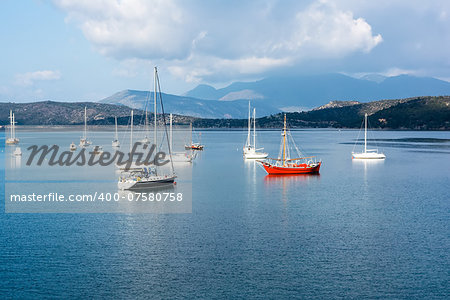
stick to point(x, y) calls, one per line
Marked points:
point(325, 30)
point(201, 39)
point(27, 79)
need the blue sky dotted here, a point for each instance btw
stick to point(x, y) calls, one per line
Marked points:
point(77, 50)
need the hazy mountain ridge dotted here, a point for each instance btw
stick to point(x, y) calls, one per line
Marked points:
point(190, 106)
point(315, 90)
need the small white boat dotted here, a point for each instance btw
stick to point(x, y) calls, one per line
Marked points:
point(12, 140)
point(73, 147)
point(368, 153)
point(145, 140)
point(18, 151)
point(98, 150)
point(115, 142)
point(84, 142)
point(179, 157)
point(250, 151)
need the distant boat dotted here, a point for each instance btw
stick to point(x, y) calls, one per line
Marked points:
point(250, 151)
point(98, 150)
point(368, 153)
point(115, 142)
point(12, 139)
point(194, 146)
point(186, 157)
point(73, 147)
point(18, 151)
point(286, 165)
point(84, 142)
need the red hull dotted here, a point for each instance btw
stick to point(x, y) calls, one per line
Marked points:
point(291, 169)
point(199, 148)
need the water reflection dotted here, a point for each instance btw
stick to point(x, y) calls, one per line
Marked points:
point(365, 164)
point(151, 200)
point(15, 161)
point(286, 183)
point(290, 179)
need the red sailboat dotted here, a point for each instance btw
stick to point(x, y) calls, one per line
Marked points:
point(286, 165)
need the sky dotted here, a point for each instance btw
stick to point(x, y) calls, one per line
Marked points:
point(86, 50)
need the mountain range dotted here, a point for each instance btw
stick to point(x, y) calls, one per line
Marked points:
point(285, 93)
point(296, 93)
point(190, 106)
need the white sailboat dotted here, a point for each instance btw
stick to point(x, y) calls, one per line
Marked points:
point(149, 177)
point(187, 156)
point(115, 142)
point(250, 151)
point(12, 139)
point(84, 142)
point(98, 150)
point(368, 153)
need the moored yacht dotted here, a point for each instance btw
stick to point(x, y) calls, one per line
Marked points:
point(12, 139)
point(284, 164)
point(84, 142)
point(145, 177)
point(368, 153)
point(250, 150)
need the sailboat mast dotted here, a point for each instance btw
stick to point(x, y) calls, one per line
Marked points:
point(11, 122)
point(85, 124)
point(254, 128)
point(365, 133)
point(146, 121)
point(131, 132)
point(14, 125)
point(190, 129)
point(170, 132)
point(284, 141)
point(154, 129)
point(249, 125)
point(117, 135)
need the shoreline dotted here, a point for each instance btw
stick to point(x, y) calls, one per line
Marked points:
point(141, 128)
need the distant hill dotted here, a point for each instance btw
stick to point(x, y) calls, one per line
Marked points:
point(419, 113)
point(190, 106)
point(296, 93)
point(72, 113)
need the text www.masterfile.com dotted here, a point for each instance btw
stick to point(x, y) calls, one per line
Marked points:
point(101, 197)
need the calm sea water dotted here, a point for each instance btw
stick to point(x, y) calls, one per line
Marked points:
point(358, 230)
